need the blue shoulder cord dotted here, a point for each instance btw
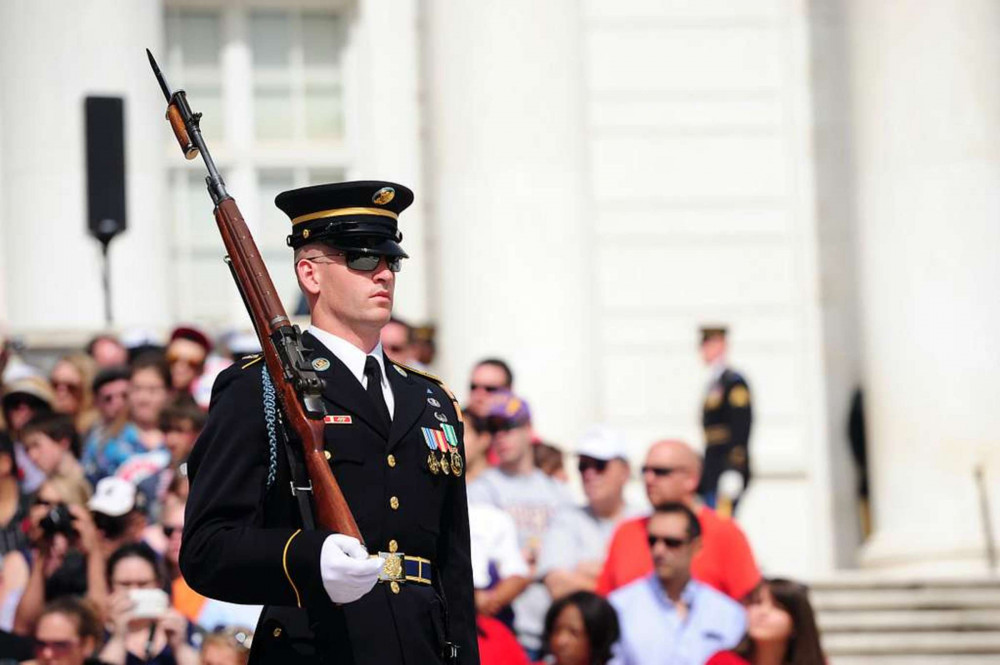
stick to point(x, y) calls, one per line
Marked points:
point(270, 417)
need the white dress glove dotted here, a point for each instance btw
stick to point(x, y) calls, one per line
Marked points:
point(346, 570)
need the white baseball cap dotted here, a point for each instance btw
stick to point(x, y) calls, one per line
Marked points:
point(604, 443)
point(113, 497)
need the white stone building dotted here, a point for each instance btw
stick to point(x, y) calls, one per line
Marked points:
point(593, 179)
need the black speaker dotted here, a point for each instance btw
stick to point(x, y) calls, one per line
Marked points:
point(105, 120)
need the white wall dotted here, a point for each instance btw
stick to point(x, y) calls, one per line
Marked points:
point(50, 59)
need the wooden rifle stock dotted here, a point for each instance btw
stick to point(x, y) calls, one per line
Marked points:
point(296, 384)
point(272, 325)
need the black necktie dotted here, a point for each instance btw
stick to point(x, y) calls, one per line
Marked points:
point(374, 376)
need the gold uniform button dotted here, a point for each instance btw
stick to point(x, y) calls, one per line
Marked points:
point(393, 546)
point(394, 503)
point(277, 632)
point(391, 460)
point(394, 586)
point(328, 454)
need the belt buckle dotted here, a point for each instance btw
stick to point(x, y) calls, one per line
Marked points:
point(392, 567)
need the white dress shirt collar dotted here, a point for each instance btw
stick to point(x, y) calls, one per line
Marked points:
point(350, 355)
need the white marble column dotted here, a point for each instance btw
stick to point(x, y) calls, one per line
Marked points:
point(52, 55)
point(509, 215)
point(926, 113)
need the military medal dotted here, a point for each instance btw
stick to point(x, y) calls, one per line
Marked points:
point(431, 438)
point(445, 469)
point(432, 463)
point(451, 439)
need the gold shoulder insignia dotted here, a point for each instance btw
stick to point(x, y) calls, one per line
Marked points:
point(438, 381)
point(251, 360)
point(739, 397)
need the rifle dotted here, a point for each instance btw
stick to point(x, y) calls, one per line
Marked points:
point(297, 386)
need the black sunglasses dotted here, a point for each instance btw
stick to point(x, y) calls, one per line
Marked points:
point(669, 541)
point(598, 465)
point(365, 262)
point(169, 531)
point(660, 471)
point(493, 425)
point(473, 387)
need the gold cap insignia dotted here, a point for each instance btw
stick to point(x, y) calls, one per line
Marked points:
point(383, 196)
point(305, 234)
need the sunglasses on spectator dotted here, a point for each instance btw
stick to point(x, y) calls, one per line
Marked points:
point(669, 541)
point(169, 531)
point(68, 386)
point(59, 648)
point(395, 348)
point(598, 465)
point(473, 387)
point(363, 261)
point(107, 398)
point(495, 425)
point(660, 471)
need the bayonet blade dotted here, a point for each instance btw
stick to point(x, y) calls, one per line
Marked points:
point(159, 76)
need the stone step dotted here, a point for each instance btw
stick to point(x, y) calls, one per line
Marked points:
point(938, 659)
point(868, 580)
point(867, 621)
point(906, 598)
point(922, 643)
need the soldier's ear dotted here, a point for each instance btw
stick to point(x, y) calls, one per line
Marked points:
point(308, 276)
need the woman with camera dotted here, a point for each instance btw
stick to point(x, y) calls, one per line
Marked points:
point(66, 553)
point(144, 629)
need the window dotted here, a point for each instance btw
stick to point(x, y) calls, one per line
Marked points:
point(270, 83)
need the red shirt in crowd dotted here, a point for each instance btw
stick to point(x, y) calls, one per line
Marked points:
point(726, 658)
point(724, 562)
point(497, 645)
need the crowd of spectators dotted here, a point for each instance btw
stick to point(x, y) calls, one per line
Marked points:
point(92, 493)
point(93, 488)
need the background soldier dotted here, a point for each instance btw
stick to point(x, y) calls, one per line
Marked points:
point(726, 418)
point(393, 438)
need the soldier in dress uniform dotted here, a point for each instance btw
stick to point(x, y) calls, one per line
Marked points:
point(726, 418)
point(394, 441)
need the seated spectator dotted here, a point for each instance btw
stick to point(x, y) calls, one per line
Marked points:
point(107, 351)
point(477, 446)
point(527, 495)
point(499, 571)
point(577, 539)
point(67, 559)
point(549, 460)
point(781, 628)
point(497, 644)
point(667, 617)
point(71, 380)
point(50, 440)
point(110, 390)
point(144, 628)
point(397, 341)
point(181, 425)
point(581, 629)
point(187, 352)
point(68, 632)
point(148, 392)
point(23, 399)
point(118, 511)
point(13, 502)
point(228, 646)
point(724, 562)
point(489, 377)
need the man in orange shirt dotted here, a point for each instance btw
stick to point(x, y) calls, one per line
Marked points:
point(671, 473)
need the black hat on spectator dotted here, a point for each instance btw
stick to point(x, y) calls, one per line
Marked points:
point(357, 216)
point(109, 375)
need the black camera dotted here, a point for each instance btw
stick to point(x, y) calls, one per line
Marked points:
point(58, 520)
